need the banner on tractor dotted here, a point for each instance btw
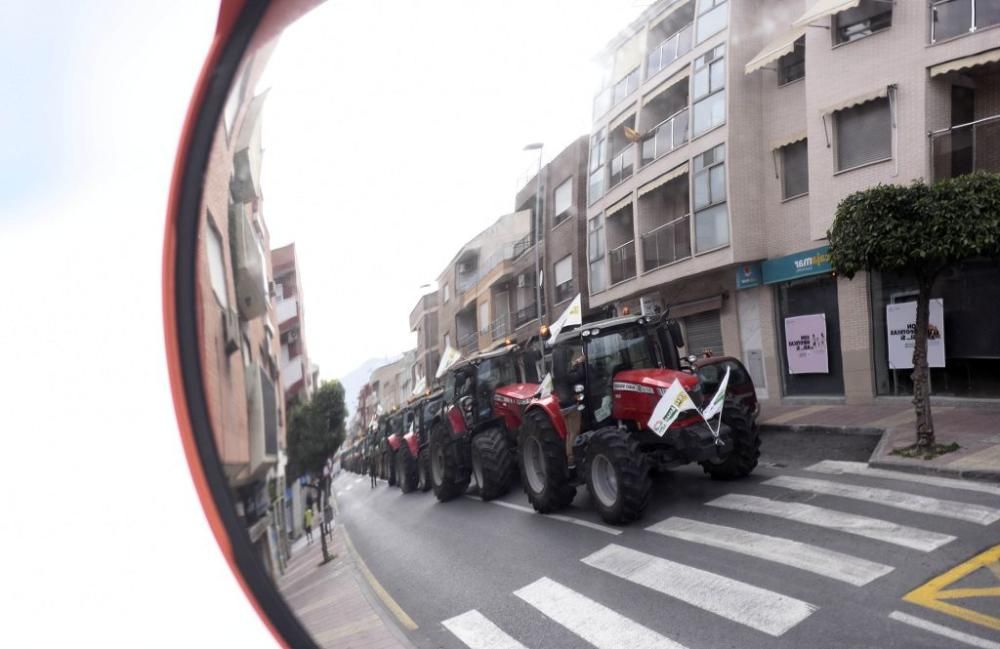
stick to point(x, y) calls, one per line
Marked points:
point(714, 407)
point(420, 386)
point(448, 358)
point(573, 315)
point(673, 402)
point(546, 387)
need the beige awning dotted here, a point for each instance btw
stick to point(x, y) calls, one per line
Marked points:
point(789, 139)
point(775, 49)
point(856, 101)
point(619, 206)
point(964, 63)
point(825, 9)
point(676, 172)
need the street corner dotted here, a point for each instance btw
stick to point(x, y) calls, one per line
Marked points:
point(969, 591)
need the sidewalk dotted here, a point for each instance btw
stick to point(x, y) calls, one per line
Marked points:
point(333, 601)
point(976, 429)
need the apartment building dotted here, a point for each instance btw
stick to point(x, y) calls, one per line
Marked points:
point(424, 321)
point(725, 136)
point(391, 385)
point(298, 374)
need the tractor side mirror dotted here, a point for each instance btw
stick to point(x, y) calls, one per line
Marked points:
point(676, 335)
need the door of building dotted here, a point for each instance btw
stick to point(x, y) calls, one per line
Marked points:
point(806, 297)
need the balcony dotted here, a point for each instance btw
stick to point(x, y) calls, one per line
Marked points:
point(668, 51)
point(622, 261)
point(286, 310)
point(470, 278)
point(291, 372)
point(667, 243)
point(500, 328)
point(525, 315)
point(522, 245)
point(469, 343)
point(628, 84)
point(622, 165)
point(951, 18)
point(665, 136)
point(965, 148)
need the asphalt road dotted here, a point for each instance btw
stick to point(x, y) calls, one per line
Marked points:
point(689, 574)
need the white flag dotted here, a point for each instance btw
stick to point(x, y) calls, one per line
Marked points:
point(715, 406)
point(420, 386)
point(448, 358)
point(546, 388)
point(673, 402)
point(573, 315)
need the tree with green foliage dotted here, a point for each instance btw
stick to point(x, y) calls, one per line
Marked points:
point(920, 231)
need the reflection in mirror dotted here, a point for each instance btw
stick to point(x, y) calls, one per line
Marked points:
point(512, 310)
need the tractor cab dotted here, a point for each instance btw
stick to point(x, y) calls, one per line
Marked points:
point(471, 384)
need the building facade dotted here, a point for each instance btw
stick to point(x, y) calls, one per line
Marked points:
point(424, 321)
point(391, 385)
point(721, 146)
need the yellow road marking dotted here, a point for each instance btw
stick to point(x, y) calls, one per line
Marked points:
point(932, 594)
point(382, 593)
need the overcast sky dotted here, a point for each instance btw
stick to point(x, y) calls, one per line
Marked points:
point(393, 133)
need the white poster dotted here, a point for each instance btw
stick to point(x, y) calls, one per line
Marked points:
point(805, 344)
point(901, 326)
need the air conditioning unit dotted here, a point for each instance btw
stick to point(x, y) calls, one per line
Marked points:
point(231, 331)
point(249, 266)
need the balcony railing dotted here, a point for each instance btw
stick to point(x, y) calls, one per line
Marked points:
point(525, 315)
point(667, 243)
point(666, 136)
point(622, 261)
point(625, 87)
point(500, 328)
point(622, 165)
point(291, 372)
point(522, 245)
point(504, 253)
point(669, 51)
point(950, 18)
point(286, 310)
point(564, 291)
point(965, 148)
point(469, 343)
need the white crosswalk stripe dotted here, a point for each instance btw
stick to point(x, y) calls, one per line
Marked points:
point(835, 565)
point(892, 498)
point(752, 606)
point(478, 632)
point(837, 467)
point(595, 623)
point(872, 528)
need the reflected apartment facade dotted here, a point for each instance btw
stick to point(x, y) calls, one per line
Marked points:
point(724, 137)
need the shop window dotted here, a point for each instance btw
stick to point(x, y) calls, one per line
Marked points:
point(711, 218)
point(864, 20)
point(712, 17)
point(792, 66)
point(815, 300)
point(794, 170)
point(708, 89)
point(863, 134)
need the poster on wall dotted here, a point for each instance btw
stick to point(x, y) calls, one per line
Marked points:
point(901, 327)
point(805, 344)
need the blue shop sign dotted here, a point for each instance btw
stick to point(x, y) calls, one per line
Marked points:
point(748, 275)
point(802, 264)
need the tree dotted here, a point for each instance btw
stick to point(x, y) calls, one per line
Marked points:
point(315, 432)
point(918, 230)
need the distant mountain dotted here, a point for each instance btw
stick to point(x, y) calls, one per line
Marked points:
point(353, 380)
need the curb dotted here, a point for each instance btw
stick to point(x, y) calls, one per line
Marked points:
point(876, 462)
point(815, 429)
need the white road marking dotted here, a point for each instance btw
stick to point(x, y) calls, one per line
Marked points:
point(872, 528)
point(835, 565)
point(558, 517)
point(835, 467)
point(478, 632)
point(948, 632)
point(892, 498)
point(752, 606)
point(595, 623)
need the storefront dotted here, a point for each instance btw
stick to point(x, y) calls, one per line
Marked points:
point(807, 323)
point(964, 340)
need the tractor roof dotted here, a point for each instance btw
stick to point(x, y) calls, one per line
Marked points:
point(481, 356)
point(609, 323)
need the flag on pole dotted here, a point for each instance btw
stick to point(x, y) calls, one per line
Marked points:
point(420, 386)
point(715, 405)
point(673, 402)
point(573, 315)
point(546, 388)
point(448, 358)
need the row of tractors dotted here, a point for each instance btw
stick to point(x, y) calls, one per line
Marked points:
point(492, 419)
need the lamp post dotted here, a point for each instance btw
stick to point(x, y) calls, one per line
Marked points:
point(538, 230)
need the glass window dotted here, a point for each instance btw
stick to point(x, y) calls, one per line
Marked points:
point(595, 251)
point(864, 134)
point(564, 269)
point(792, 66)
point(711, 215)
point(867, 18)
point(708, 90)
point(712, 17)
point(794, 169)
point(217, 264)
point(563, 200)
point(627, 348)
point(492, 373)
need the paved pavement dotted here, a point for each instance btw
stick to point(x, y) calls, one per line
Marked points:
point(820, 554)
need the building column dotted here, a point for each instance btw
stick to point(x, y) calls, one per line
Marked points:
point(855, 339)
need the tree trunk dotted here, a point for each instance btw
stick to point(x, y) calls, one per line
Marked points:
point(921, 387)
point(322, 523)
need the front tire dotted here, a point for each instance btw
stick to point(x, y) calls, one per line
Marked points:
point(406, 470)
point(492, 463)
point(450, 472)
point(424, 470)
point(617, 476)
point(544, 470)
point(742, 460)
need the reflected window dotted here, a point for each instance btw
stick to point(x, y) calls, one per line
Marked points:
point(217, 263)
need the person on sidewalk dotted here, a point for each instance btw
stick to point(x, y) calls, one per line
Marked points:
point(309, 525)
point(372, 464)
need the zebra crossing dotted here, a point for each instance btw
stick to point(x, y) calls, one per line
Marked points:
point(728, 598)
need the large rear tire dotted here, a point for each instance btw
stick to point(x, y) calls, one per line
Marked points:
point(389, 467)
point(492, 463)
point(407, 472)
point(617, 476)
point(544, 470)
point(450, 473)
point(424, 470)
point(742, 460)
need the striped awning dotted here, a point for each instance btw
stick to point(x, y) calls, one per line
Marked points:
point(676, 172)
point(619, 206)
point(966, 62)
point(825, 9)
point(788, 139)
point(775, 49)
point(856, 101)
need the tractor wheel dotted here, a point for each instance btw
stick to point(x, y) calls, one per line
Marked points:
point(617, 476)
point(406, 470)
point(424, 470)
point(746, 447)
point(450, 473)
point(492, 463)
point(544, 470)
point(389, 467)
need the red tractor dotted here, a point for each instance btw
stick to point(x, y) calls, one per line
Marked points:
point(608, 376)
point(484, 396)
point(411, 445)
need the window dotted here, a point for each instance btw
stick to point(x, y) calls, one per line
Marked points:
point(563, 200)
point(564, 278)
point(625, 87)
point(792, 66)
point(447, 341)
point(864, 20)
point(711, 18)
point(708, 90)
point(794, 170)
point(950, 18)
point(864, 134)
point(711, 218)
point(484, 317)
point(595, 250)
point(217, 264)
point(598, 149)
point(447, 293)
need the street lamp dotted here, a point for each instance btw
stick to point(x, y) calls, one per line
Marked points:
point(538, 229)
